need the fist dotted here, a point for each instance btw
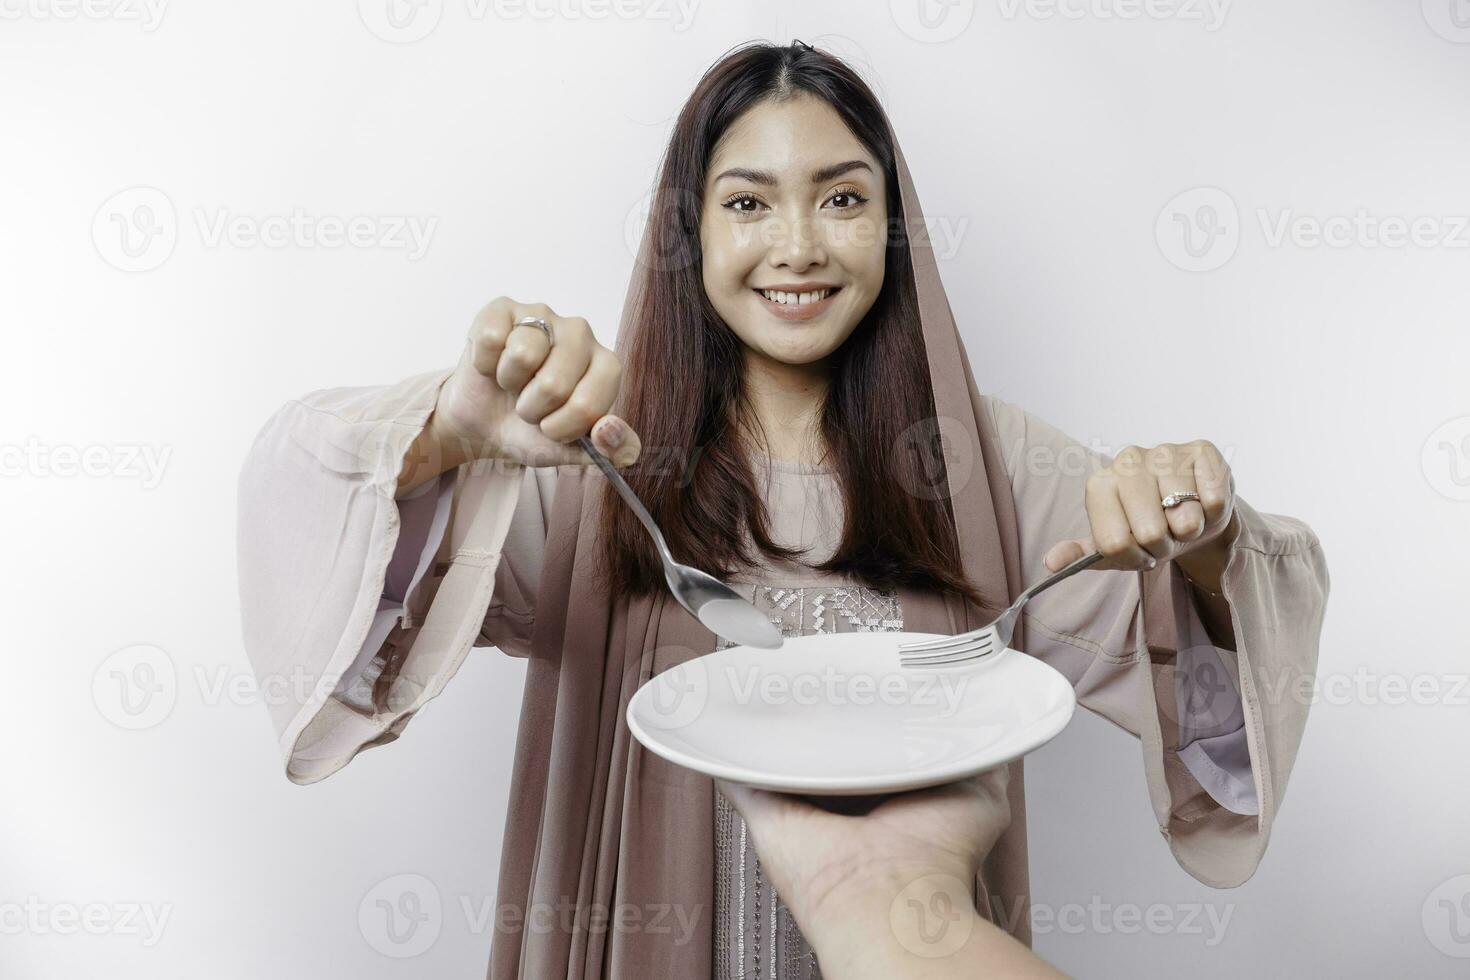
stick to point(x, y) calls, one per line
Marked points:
point(517, 396)
point(1129, 524)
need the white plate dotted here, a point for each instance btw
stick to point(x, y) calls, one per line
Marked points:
point(834, 713)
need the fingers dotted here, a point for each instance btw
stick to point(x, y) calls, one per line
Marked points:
point(1215, 485)
point(1125, 508)
point(1063, 553)
point(587, 396)
point(564, 384)
point(491, 331)
point(616, 440)
point(560, 372)
point(1111, 530)
point(1186, 521)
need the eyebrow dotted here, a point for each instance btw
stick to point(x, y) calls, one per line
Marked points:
point(818, 176)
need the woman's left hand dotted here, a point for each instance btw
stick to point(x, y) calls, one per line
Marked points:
point(1129, 523)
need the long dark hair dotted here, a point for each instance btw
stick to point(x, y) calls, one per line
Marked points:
point(683, 386)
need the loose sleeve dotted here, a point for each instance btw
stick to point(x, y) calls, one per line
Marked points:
point(1218, 727)
point(511, 617)
point(318, 529)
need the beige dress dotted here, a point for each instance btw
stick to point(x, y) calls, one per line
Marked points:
point(372, 572)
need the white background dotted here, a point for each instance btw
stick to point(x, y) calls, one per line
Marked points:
point(1053, 139)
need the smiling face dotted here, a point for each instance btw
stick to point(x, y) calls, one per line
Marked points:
point(792, 228)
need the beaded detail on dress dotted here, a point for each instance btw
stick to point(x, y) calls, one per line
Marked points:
point(755, 936)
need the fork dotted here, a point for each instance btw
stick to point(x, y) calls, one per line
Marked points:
point(964, 647)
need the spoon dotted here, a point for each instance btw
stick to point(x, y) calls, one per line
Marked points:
point(708, 600)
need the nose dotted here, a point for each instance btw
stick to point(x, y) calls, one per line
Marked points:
point(797, 246)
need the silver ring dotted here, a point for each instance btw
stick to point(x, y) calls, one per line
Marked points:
point(536, 321)
point(1178, 497)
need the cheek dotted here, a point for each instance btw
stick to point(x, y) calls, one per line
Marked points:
point(727, 252)
point(862, 252)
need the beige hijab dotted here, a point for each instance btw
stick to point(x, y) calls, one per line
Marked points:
point(599, 825)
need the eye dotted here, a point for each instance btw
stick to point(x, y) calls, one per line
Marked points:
point(850, 197)
point(742, 203)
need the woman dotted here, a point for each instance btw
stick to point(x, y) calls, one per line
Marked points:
point(815, 438)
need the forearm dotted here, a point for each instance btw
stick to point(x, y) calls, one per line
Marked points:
point(897, 925)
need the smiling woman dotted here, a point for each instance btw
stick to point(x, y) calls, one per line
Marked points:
point(783, 332)
point(789, 348)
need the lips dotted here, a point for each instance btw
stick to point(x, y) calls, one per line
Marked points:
point(795, 311)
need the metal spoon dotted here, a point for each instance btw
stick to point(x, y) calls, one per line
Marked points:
point(709, 600)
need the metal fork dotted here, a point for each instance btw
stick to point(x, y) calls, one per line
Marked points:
point(975, 644)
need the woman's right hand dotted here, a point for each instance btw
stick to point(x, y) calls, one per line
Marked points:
point(517, 397)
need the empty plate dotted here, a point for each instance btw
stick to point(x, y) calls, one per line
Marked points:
point(835, 714)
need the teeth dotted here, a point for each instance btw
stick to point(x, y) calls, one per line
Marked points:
point(795, 299)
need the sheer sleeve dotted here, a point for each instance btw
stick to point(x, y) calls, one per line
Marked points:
point(319, 567)
point(512, 614)
point(1217, 753)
